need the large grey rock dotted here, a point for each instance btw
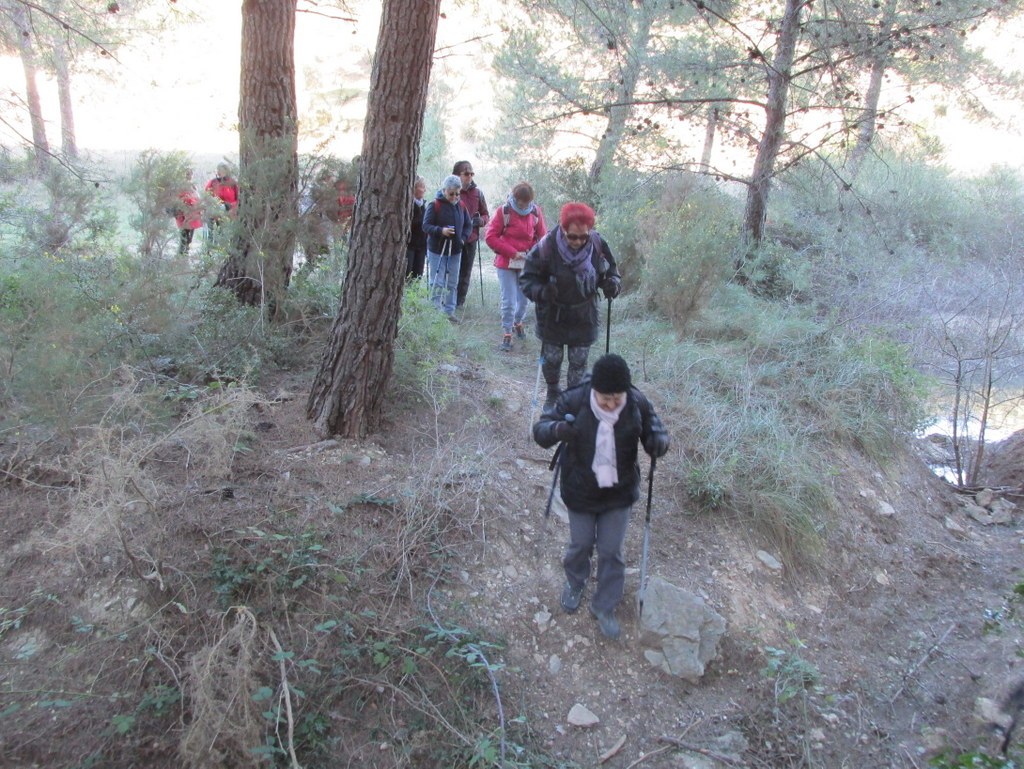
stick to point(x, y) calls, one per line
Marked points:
point(679, 632)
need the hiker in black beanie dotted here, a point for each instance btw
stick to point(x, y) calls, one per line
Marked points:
point(600, 477)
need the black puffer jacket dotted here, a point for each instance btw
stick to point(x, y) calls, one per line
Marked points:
point(637, 424)
point(572, 319)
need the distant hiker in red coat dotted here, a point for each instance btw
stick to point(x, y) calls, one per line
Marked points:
point(346, 206)
point(224, 188)
point(187, 214)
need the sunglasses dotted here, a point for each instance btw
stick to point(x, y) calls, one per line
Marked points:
point(576, 238)
point(468, 173)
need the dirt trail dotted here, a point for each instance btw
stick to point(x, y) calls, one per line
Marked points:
point(873, 659)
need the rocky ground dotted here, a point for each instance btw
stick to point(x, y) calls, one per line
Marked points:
point(875, 655)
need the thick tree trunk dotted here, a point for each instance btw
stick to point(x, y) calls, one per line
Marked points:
point(775, 126)
point(259, 264)
point(23, 29)
point(349, 389)
point(68, 142)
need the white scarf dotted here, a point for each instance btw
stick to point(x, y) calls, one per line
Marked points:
point(604, 466)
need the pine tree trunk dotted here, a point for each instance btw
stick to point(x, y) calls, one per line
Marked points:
point(710, 129)
point(622, 110)
point(348, 393)
point(23, 29)
point(775, 126)
point(68, 142)
point(868, 122)
point(259, 264)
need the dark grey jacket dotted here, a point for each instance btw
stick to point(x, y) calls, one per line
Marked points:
point(572, 319)
point(636, 424)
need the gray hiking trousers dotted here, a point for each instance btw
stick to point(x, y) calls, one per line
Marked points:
point(606, 532)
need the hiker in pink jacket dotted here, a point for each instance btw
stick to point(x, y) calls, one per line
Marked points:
point(515, 228)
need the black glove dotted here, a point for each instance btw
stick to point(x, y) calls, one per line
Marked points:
point(611, 288)
point(477, 221)
point(549, 293)
point(656, 445)
point(565, 431)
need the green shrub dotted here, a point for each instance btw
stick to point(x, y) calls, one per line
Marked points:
point(425, 338)
point(153, 187)
point(688, 258)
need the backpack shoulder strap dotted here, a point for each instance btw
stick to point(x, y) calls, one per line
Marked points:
point(506, 215)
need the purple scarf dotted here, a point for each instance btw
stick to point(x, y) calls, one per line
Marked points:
point(580, 261)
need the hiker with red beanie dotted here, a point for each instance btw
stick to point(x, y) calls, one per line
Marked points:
point(562, 275)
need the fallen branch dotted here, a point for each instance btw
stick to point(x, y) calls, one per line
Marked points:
point(644, 757)
point(287, 696)
point(612, 750)
point(727, 760)
point(920, 662)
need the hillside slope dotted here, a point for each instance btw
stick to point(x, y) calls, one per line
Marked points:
point(872, 658)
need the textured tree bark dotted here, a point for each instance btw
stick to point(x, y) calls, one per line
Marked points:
point(259, 264)
point(348, 392)
point(23, 29)
point(775, 125)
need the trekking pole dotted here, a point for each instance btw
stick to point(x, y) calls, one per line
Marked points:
point(444, 258)
point(556, 461)
point(608, 329)
point(647, 543)
point(480, 264)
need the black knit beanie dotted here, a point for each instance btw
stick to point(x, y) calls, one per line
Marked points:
point(611, 375)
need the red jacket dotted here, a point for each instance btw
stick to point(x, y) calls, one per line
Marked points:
point(225, 188)
point(190, 216)
point(473, 199)
point(521, 234)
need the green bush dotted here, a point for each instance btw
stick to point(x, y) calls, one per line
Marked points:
point(689, 257)
point(153, 187)
point(425, 339)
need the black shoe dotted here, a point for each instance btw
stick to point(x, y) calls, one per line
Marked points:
point(506, 343)
point(520, 331)
point(571, 597)
point(607, 622)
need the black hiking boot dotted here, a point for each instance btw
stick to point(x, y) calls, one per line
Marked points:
point(607, 622)
point(571, 597)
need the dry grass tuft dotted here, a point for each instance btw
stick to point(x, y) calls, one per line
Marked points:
point(220, 683)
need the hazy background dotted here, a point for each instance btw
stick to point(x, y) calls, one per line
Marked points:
point(179, 91)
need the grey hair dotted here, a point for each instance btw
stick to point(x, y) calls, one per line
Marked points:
point(451, 183)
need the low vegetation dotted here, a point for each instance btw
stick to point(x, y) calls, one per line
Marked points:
point(260, 630)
